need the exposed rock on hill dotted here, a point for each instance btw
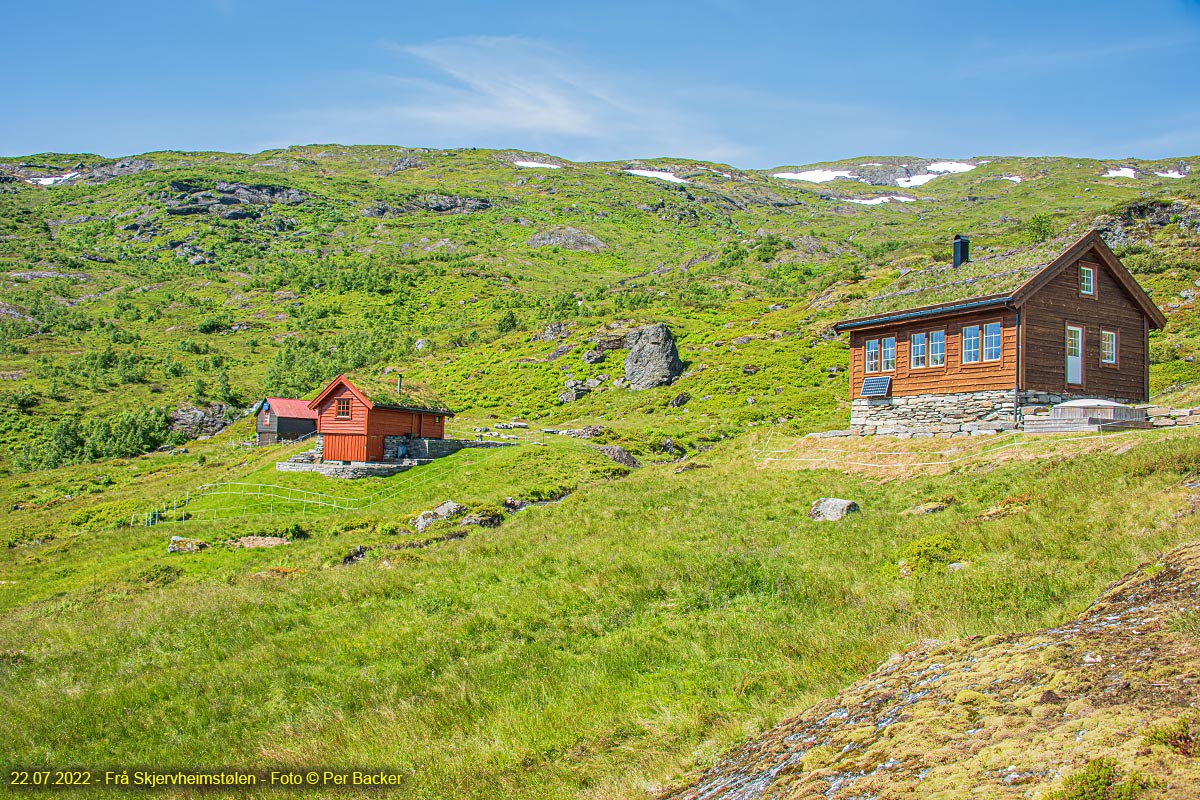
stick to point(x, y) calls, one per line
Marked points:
point(195, 422)
point(1005, 716)
point(653, 359)
point(567, 238)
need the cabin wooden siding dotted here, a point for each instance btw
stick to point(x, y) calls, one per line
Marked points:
point(1058, 303)
point(329, 422)
point(954, 376)
point(395, 422)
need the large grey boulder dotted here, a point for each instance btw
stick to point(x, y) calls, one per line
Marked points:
point(619, 454)
point(567, 238)
point(653, 359)
point(831, 509)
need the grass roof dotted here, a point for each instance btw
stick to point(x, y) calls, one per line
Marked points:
point(380, 389)
point(983, 276)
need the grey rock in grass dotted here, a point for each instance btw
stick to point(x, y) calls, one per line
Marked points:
point(421, 344)
point(484, 519)
point(679, 400)
point(956, 566)
point(182, 544)
point(593, 356)
point(445, 511)
point(551, 333)
point(619, 454)
point(653, 358)
point(831, 509)
point(572, 394)
point(560, 351)
point(567, 238)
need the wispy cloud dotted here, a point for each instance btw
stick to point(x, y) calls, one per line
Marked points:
point(518, 92)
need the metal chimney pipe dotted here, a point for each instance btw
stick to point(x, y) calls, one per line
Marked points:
point(962, 249)
point(399, 380)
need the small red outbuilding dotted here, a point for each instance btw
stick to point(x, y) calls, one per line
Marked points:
point(354, 428)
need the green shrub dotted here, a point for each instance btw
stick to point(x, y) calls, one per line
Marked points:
point(1182, 736)
point(932, 551)
point(1101, 779)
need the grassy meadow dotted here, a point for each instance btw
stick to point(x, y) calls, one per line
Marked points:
point(595, 646)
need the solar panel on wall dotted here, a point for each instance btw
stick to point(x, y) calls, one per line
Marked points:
point(878, 386)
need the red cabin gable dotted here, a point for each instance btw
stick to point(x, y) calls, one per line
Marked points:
point(353, 428)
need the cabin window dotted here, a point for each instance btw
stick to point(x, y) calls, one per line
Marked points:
point(889, 353)
point(916, 350)
point(1108, 347)
point(343, 407)
point(937, 349)
point(991, 341)
point(970, 344)
point(871, 359)
point(1087, 281)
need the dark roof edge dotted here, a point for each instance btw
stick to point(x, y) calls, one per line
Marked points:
point(917, 313)
point(437, 412)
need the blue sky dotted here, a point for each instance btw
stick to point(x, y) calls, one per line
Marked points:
point(754, 84)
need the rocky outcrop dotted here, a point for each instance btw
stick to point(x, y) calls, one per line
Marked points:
point(445, 511)
point(437, 203)
point(567, 238)
point(831, 509)
point(182, 544)
point(1011, 716)
point(653, 358)
point(195, 422)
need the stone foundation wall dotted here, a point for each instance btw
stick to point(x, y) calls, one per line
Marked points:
point(320, 448)
point(947, 415)
point(438, 448)
point(355, 469)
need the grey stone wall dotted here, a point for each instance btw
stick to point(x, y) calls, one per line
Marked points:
point(320, 448)
point(438, 448)
point(949, 415)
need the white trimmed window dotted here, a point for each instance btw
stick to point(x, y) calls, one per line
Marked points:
point(871, 357)
point(916, 350)
point(937, 349)
point(889, 353)
point(1108, 347)
point(970, 344)
point(991, 341)
point(1087, 280)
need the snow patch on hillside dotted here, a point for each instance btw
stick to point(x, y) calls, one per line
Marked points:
point(816, 175)
point(722, 174)
point(536, 165)
point(875, 201)
point(915, 180)
point(950, 166)
point(653, 173)
point(1121, 172)
point(1171, 173)
point(1013, 178)
point(53, 180)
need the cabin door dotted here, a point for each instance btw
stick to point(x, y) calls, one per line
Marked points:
point(1074, 355)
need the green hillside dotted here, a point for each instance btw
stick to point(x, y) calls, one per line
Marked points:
point(626, 626)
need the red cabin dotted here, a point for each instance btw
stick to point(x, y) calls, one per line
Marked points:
point(352, 427)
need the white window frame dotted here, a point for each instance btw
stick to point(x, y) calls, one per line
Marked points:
point(887, 355)
point(1107, 336)
point(918, 350)
point(978, 344)
point(999, 341)
point(1090, 291)
point(940, 352)
point(871, 348)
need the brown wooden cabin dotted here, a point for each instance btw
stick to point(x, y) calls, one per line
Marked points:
point(1075, 324)
point(283, 419)
point(353, 427)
